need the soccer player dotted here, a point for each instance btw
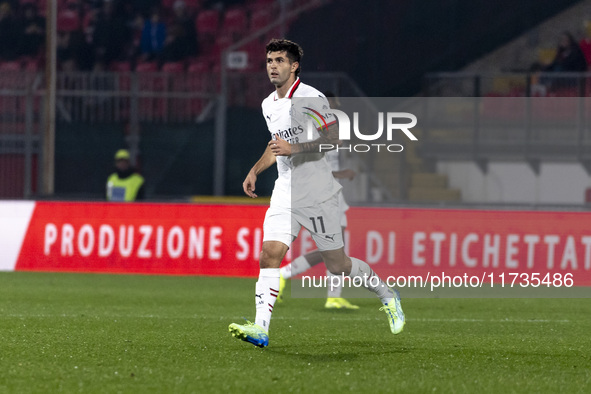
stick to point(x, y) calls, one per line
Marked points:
point(305, 194)
point(309, 260)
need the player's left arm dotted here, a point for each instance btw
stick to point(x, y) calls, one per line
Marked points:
point(328, 137)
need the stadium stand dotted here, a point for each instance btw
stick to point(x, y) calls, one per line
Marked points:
point(216, 28)
point(533, 107)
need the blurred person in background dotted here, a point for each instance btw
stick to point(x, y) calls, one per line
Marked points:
point(73, 52)
point(136, 26)
point(309, 260)
point(185, 23)
point(32, 36)
point(569, 56)
point(153, 37)
point(8, 33)
point(111, 37)
point(125, 184)
point(174, 49)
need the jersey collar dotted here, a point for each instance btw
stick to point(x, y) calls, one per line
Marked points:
point(292, 89)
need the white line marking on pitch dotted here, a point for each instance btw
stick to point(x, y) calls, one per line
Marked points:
point(305, 318)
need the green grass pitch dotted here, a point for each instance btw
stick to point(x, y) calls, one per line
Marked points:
point(157, 334)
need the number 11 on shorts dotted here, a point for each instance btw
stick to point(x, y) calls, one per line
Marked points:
point(321, 221)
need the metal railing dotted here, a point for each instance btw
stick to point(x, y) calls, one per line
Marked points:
point(132, 96)
point(131, 103)
point(126, 99)
point(525, 84)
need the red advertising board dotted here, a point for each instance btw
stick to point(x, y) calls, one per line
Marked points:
point(182, 239)
point(225, 240)
point(417, 241)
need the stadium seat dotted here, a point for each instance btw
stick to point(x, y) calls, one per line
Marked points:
point(497, 107)
point(146, 67)
point(554, 108)
point(193, 5)
point(207, 22)
point(173, 67)
point(235, 22)
point(32, 65)
point(257, 5)
point(67, 21)
point(199, 67)
point(585, 45)
point(260, 19)
point(120, 66)
point(546, 55)
point(10, 66)
point(221, 42)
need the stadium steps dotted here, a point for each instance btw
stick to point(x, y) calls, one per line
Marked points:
point(421, 194)
point(414, 162)
point(431, 187)
point(428, 180)
point(421, 183)
point(425, 185)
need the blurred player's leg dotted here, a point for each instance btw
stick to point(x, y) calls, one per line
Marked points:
point(389, 298)
point(335, 288)
point(339, 263)
point(304, 263)
point(296, 267)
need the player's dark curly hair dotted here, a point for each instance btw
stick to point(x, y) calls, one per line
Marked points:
point(294, 51)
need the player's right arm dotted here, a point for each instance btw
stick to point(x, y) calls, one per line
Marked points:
point(266, 161)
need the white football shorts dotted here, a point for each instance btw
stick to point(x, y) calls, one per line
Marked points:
point(323, 221)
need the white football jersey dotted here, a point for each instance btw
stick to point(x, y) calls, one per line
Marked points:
point(332, 156)
point(305, 179)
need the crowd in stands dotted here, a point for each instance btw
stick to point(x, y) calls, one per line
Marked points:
point(569, 56)
point(120, 35)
